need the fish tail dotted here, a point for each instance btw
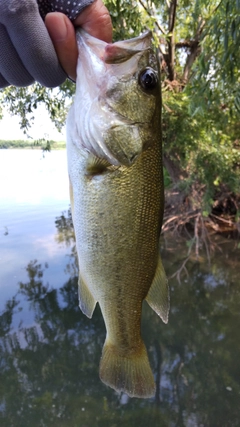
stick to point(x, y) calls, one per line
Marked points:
point(130, 373)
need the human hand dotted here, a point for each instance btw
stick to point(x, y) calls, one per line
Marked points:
point(26, 50)
point(94, 19)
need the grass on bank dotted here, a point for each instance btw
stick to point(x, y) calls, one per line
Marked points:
point(33, 144)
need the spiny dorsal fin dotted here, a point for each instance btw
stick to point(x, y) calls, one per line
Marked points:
point(158, 294)
point(87, 302)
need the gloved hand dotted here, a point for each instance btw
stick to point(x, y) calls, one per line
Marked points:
point(26, 50)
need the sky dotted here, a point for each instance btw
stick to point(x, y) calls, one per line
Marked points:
point(42, 127)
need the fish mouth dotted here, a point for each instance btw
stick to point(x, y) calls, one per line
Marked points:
point(105, 129)
point(114, 53)
point(122, 51)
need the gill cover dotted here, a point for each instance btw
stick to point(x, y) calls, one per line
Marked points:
point(107, 120)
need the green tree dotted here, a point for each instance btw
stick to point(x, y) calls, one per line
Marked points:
point(201, 92)
point(200, 61)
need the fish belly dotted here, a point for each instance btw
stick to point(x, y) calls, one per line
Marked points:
point(117, 221)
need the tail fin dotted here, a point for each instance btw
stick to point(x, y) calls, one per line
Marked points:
point(128, 373)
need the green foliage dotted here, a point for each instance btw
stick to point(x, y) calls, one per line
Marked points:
point(23, 101)
point(126, 18)
point(199, 42)
point(206, 145)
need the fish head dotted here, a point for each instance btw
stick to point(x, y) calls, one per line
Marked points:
point(117, 101)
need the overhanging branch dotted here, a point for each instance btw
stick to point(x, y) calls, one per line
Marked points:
point(171, 40)
point(172, 15)
point(194, 51)
point(159, 26)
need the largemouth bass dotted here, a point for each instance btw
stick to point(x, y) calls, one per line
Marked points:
point(116, 190)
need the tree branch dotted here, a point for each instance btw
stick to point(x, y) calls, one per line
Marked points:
point(171, 40)
point(195, 49)
point(168, 4)
point(172, 16)
point(188, 44)
point(216, 8)
point(150, 14)
point(189, 62)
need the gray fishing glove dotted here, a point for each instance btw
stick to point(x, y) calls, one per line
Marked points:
point(26, 50)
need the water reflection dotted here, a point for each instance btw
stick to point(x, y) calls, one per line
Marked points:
point(65, 233)
point(49, 370)
point(30, 199)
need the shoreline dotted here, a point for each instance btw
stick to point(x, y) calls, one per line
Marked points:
point(183, 218)
point(45, 145)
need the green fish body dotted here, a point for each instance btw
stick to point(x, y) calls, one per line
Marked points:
point(116, 189)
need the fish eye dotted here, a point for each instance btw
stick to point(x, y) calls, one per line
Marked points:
point(148, 78)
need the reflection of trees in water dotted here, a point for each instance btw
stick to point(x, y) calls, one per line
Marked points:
point(199, 372)
point(65, 234)
point(49, 371)
point(47, 376)
point(7, 316)
point(64, 227)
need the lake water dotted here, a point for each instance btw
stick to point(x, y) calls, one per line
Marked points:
point(50, 352)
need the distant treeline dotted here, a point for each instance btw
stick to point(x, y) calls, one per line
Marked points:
point(42, 143)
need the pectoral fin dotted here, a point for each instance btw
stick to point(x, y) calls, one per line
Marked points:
point(98, 166)
point(87, 302)
point(158, 294)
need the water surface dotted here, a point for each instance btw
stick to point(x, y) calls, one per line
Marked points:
point(50, 351)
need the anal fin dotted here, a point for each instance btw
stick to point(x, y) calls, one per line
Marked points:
point(87, 302)
point(158, 294)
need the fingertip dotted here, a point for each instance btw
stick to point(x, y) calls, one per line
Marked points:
point(96, 20)
point(58, 26)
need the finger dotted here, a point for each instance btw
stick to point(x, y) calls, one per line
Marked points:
point(12, 69)
point(95, 19)
point(32, 42)
point(62, 33)
point(3, 82)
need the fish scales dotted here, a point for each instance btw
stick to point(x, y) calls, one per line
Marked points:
point(116, 187)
